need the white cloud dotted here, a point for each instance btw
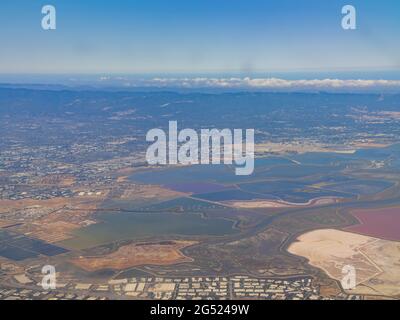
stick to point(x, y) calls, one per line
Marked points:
point(272, 83)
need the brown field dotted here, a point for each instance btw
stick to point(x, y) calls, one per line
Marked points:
point(50, 232)
point(53, 204)
point(161, 253)
point(376, 261)
point(144, 192)
point(61, 216)
point(6, 223)
point(7, 205)
point(254, 204)
point(124, 173)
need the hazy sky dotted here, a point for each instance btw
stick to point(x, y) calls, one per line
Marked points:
point(198, 36)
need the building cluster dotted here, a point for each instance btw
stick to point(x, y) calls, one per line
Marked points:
point(22, 169)
point(162, 288)
point(30, 294)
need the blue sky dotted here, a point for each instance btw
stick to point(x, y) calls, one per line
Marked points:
point(191, 36)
